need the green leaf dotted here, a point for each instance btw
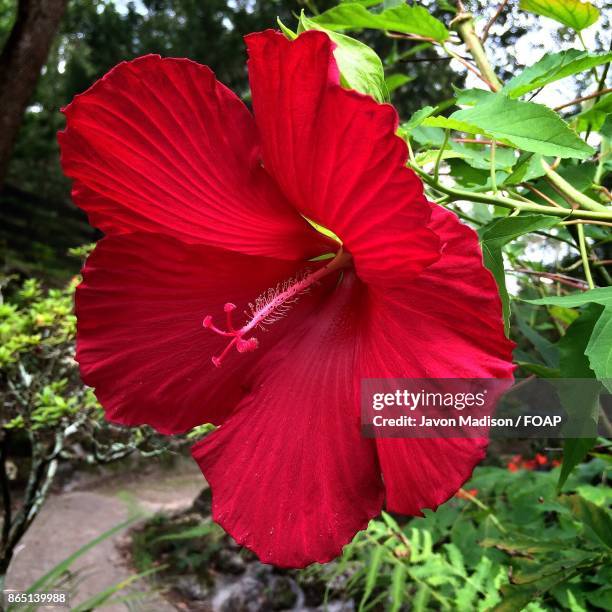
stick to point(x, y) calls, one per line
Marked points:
point(417, 118)
point(398, 587)
point(575, 14)
point(548, 351)
point(403, 18)
point(360, 68)
point(452, 123)
point(525, 125)
point(575, 364)
point(372, 575)
point(526, 544)
point(496, 235)
point(553, 67)
point(528, 167)
point(537, 571)
point(427, 136)
point(574, 451)
point(395, 81)
point(599, 348)
point(479, 156)
point(595, 117)
point(470, 97)
point(595, 518)
point(600, 295)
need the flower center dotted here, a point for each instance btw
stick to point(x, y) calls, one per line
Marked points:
point(269, 307)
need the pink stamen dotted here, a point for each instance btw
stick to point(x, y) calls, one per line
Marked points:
point(268, 308)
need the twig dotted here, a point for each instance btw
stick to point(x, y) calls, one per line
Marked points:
point(470, 67)
point(585, 256)
point(415, 60)
point(498, 12)
point(542, 195)
point(482, 142)
point(584, 222)
point(575, 283)
point(595, 94)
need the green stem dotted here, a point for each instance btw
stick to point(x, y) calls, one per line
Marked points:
point(578, 197)
point(585, 256)
point(505, 202)
point(493, 173)
point(439, 157)
point(463, 23)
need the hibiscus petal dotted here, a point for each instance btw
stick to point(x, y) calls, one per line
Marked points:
point(335, 155)
point(140, 340)
point(159, 145)
point(447, 323)
point(291, 476)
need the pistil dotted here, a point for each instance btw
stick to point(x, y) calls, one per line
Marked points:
point(269, 307)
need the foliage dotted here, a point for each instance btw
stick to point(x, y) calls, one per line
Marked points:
point(48, 415)
point(537, 168)
point(524, 162)
point(507, 537)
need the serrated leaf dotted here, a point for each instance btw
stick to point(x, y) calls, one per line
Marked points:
point(574, 14)
point(360, 67)
point(595, 518)
point(470, 97)
point(403, 18)
point(553, 67)
point(497, 234)
point(525, 125)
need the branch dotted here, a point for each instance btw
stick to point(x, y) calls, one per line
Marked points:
point(498, 12)
point(595, 94)
point(463, 24)
point(570, 191)
point(570, 281)
point(511, 203)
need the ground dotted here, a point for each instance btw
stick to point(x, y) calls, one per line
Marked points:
point(96, 503)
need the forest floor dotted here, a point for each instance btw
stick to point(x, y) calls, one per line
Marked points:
point(90, 504)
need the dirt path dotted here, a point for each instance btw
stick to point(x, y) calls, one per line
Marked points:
point(71, 519)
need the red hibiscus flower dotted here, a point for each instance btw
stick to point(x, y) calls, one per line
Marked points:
point(206, 211)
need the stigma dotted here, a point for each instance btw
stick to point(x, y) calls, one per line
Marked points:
point(268, 308)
